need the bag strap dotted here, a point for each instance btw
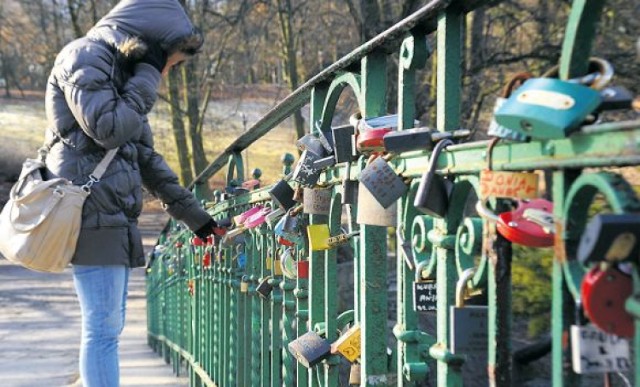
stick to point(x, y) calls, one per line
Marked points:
point(100, 169)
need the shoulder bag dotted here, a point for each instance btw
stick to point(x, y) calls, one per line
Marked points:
point(40, 224)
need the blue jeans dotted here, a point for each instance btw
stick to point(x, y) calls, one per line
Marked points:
point(102, 292)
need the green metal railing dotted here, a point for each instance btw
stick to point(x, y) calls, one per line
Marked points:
point(203, 309)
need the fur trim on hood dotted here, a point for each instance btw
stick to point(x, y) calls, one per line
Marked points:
point(132, 48)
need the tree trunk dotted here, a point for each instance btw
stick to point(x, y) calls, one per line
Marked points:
point(285, 15)
point(74, 9)
point(475, 61)
point(185, 173)
point(190, 87)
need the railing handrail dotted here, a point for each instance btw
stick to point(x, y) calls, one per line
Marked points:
point(301, 95)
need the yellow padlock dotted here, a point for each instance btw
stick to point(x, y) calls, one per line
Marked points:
point(244, 286)
point(318, 237)
point(268, 262)
point(348, 345)
point(277, 267)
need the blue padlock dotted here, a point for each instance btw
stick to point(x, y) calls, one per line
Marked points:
point(547, 108)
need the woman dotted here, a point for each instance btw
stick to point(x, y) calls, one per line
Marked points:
point(99, 93)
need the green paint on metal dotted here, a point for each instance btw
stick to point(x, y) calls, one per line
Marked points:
point(578, 37)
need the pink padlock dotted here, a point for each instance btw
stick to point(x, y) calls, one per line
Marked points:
point(240, 219)
point(257, 219)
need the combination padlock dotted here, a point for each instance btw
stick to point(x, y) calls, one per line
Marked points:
point(310, 349)
point(612, 237)
point(604, 291)
point(432, 197)
point(383, 182)
point(531, 224)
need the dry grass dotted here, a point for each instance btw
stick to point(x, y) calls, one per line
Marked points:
point(22, 123)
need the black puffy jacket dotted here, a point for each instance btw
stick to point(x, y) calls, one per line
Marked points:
point(97, 98)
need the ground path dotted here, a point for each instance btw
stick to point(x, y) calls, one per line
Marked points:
point(40, 328)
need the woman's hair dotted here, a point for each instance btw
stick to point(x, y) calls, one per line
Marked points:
point(189, 45)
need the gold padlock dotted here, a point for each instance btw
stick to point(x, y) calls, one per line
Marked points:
point(348, 345)
point(318, 237)
point(244, 286)
point(277, 267)
point(268, 262)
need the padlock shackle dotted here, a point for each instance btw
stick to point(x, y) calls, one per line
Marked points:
point(461, 285)
point(486, 213)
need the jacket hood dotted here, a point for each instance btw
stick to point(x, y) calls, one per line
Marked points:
point(132, 22)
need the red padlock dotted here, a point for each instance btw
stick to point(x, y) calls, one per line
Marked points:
point(196, 241)
point(285, 242)
point(531, 224)
point(604, 293)
point(372, 140)
point(206, 259)
point(303, 269)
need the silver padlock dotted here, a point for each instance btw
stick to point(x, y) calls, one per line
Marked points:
point(311, 143)
point(317, 201)
point(383, 182)
point(371, 212)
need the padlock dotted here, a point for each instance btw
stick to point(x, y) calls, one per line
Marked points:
point(531, 224)
point(324, 163)
point(343, 143)
point(350, 191)
point(371, 212)
point(241, 258)
point(325, 137)
point(264, 288)
point(287, 227)
point(354, 374)
point(318, 237)
point(419, 139)
point(244, 285)
point(277, 267)
point(545, 108)
point(288, 264)
point(425, 295)
point(612, 237)
point(274, 216)
point(469, 324)
point(615, 97)
point(317, 201)
point(310, 349)
point(496, 130)
point(371, 140)
point(282, 194)
point(432, 196)
point(311, 143)
point(604, 291)
point(408, 140)
point(304, 172)
point(303, 269)
point(256, 219)
point(348, 345)
point(231, 236)
point(383, 182)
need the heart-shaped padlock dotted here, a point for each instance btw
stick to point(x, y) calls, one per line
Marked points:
point(604, 293)
point(531, 224)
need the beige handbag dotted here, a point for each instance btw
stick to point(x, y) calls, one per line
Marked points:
point(40, 224)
